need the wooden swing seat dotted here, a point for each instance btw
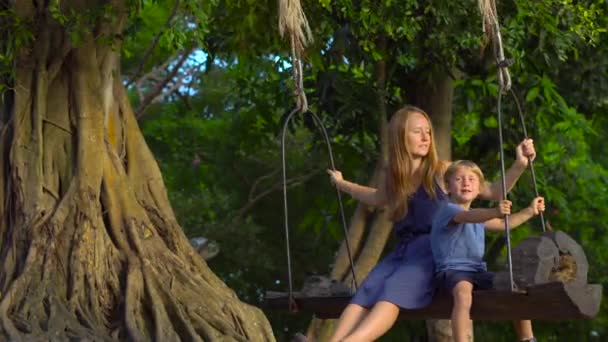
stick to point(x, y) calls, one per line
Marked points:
point(555, 301)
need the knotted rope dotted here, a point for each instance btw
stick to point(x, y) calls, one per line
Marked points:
point(491, 28)
point(292, 21)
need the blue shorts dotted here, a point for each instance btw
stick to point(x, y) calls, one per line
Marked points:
point(447, 280)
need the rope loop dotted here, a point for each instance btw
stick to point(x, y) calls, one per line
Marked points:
point(292, 303)
point(505, 63)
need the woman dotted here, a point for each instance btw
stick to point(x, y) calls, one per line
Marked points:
point(411, 192)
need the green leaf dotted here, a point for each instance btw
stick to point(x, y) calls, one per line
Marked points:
point(490, 122)
point(532, 94)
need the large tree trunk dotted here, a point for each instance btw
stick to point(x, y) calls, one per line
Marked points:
point(90, 245)
point(436, 100)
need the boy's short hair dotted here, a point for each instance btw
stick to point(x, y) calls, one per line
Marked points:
point(449, 173)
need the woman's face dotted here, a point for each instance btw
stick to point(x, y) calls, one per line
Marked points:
point(418, 135)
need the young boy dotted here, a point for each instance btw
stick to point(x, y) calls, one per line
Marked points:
point(458, 242)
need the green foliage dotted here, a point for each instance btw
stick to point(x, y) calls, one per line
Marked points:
point(588, 19)
point(16, 33)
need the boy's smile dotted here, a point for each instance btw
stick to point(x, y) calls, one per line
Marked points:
point(463, 186)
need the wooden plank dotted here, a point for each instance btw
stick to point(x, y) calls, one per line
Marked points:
point(551, 302)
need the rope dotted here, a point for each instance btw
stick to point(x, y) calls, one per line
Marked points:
point(292, 20)
point(492, 28)
point(531, 162)
point(298, 79)
point(292, 304)
point(504, 191)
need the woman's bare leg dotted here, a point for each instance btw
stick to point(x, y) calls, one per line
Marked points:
point(352, 315)
point(377, 322)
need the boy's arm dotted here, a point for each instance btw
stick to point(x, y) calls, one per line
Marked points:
point(478, 215)
point(515, 220)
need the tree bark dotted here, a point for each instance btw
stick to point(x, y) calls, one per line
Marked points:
point(91, 248)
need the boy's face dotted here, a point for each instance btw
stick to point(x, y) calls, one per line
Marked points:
point(463, 186)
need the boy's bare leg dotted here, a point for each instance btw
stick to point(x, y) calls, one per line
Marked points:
point(461, 312)
point(523, 330)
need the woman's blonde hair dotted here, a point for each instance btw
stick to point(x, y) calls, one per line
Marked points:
point(449, 173)
point(399, 187)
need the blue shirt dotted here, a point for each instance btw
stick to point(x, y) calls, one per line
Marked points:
point(457, 246)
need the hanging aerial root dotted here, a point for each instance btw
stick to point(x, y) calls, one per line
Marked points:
point(489, 17)
point(292, 20)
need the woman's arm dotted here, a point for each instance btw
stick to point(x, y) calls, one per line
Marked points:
point(525, 153)
point(365, 194)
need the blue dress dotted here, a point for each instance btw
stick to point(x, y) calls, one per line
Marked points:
point(405, 276)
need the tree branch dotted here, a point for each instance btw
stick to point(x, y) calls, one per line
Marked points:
point(259, 180)
point(150, 97)
point(293, 182)
point(152, 46)
point(198, 68)
point(170, 90)
point(150, 75)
